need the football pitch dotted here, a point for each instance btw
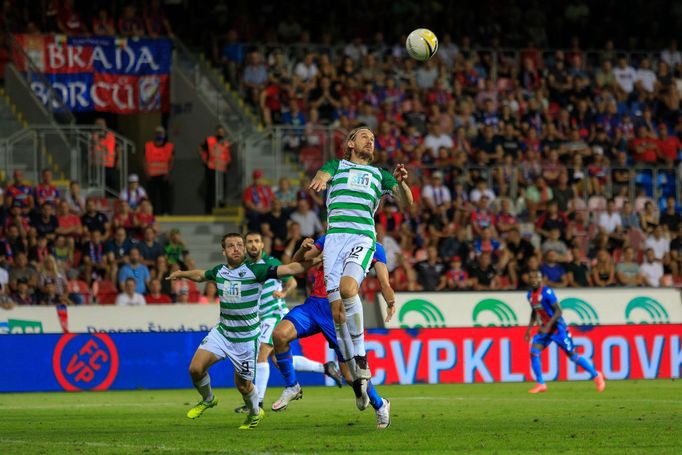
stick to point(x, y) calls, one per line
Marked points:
point(629, 417)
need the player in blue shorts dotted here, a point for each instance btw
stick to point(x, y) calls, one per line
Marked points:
point(314, 316)
point(545, 311)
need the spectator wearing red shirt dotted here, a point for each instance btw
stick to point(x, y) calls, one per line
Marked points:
point(124, 218)
point(668, 144)
point(21, 194)
point(271, 100)
point(387, 141)
point(156, 21)
point(482, 217)
point(17, 218)
point(644, 147)
point(129, 24)
point(46, 191)
point(103, 23)
point(257, 200)
point(155, 296)
point(145, 218)
point(69, 20)
point(69, 224)
point(505, 220)
point(456, 278)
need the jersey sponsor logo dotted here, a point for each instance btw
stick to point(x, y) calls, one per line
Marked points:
point(493, 313)
point(583, 311)
point(359, 179)
point(646, 310)
point(233, 291)
point(85, 362)
point(426, 313)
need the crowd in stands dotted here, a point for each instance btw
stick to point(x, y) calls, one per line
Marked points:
point(60, 248)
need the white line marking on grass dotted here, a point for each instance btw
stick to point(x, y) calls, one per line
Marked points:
point(90, 405)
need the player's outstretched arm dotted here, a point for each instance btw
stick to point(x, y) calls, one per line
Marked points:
point(402, 191)
point(386, 289)
point(197, 275)
point(300, 264)
point(289, 285)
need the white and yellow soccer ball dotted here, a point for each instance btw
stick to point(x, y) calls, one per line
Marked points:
point(422, 44)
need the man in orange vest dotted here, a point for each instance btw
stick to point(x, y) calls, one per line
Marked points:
point(158, 164)
point(104, 153)
point(215, 153)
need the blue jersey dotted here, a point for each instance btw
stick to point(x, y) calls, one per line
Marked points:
point(541, 300)
point(379, 253)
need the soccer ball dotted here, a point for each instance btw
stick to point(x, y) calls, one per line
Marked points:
point(422, 44)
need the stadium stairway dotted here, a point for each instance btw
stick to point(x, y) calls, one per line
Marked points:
point(202, 235)
point(11, 122)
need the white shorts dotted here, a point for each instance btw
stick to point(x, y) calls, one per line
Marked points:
point(242, 355)
point(267, 326)
point(341, 250)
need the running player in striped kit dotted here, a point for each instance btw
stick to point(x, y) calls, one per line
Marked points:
point(355, 188)
point(235, 337)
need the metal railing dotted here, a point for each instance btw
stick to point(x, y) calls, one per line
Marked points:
point(35, 148)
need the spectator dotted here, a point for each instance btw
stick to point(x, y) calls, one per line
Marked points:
point(286, 195)
point(183, 295)
point(577, 270)
point(155, 20)
point(69, 224)
point(481, 190)
point(659, 244)
point(144, 218)
point(611, 223)
point(117, 250)
point(69, 20)
point(46, 223)
point(436, 196)
point(430, 273)
point(258, 199)
point(603, 272)
point(325, 100)
point(652, 269)
point(150, 249)
point(129, 296)
point(629, 218)
point(671, 219)
point(216, 155)
point(130, 24)
point(483, 274)
point(669, 145)
point(437, 139)
point(50, 271)
point(306, 69)
point(552, 219)
point(649, 219)
point(210, 295)
point(625, 78)
point(75, 200)
point(124, 217)
point(19, 194)
point(51, 296)
point(21, 270)
point(22, 295)
point(175, 250)
point(103, 23)
point(134, 194)
point(538, 196)
point(671, 55)
point(555, 244)
point(456, 278)
point(93, 257)
point(136, 270)
point(482, 217)
point(644, 147)
point(155, 296)
point(553, 273)
point(232, 56)
point(94, 220)
point(628, 271)
point(307, 219)
point(255, 72)
point(46, 192)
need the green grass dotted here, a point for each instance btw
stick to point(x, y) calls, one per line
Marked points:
point(629, 417)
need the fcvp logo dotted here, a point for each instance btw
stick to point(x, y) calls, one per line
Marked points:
point(85, 362)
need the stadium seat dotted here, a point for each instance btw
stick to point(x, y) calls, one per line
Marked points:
point(105, 292)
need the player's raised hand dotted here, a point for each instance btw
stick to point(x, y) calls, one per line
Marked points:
point(308, 244)
point(400, 173)
point(318, 184)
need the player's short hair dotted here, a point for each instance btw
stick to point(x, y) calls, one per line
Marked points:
point(350, 136)
point(251, 233)
point(229, 236)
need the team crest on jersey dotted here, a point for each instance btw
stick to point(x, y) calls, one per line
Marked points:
point(359, 179)
point(241, 274)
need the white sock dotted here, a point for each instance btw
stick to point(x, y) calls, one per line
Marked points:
point(251, 401)
point(204, 388)
point(356, 323)
point(345, 343)
point(305, 364)
point(262, 376)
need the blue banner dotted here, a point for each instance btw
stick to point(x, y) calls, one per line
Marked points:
point(74, 362)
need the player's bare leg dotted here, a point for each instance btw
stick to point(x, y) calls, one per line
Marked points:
point(250, 396)
point(198, 371)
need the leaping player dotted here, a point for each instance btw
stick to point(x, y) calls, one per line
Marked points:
point(545, 311)
point(355, 188)
point(314, 316)
point(271, 309)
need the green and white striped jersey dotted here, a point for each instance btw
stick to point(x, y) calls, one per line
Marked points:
point(269, 304)
point(239, 291)
point(353, 195)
